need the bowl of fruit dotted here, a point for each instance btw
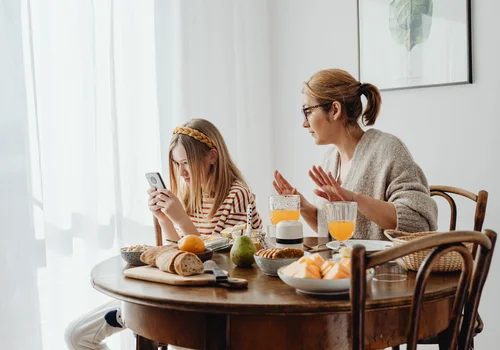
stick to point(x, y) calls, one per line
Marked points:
point(196, 245)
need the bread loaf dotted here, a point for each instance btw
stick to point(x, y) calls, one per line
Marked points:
point(187, 264)
point(165, 261)
point(149, 256)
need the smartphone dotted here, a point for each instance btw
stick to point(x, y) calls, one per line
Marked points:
point(155, 180)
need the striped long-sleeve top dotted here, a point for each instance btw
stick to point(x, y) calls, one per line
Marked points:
point(233, 211)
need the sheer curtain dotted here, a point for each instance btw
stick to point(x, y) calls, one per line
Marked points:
point(89, 94)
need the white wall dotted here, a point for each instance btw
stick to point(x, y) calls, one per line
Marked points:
point(451, 130)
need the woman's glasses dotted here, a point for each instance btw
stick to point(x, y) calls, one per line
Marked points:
point(307, 110)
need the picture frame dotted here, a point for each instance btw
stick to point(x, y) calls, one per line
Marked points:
point(404, 44)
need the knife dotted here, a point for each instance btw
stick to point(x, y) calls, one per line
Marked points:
point(221, 277)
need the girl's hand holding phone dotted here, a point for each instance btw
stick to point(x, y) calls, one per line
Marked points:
point(152, 203)
point(163, 203)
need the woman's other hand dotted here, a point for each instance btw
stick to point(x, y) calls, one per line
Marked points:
point(283, 187)
point(329, 188)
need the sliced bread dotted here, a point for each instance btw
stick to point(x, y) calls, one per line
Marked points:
point(165, 261)
point(149, 256)
point(187, 264)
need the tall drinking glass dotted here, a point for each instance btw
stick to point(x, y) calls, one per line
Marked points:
point(286, 207)
point(341, 217)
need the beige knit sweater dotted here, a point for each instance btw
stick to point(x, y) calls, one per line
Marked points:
point(383, 168)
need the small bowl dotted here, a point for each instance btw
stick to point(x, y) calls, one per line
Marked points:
point(206, 255)
point(270, 266)
point(133, 258)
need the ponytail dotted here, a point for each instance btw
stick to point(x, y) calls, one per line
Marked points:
point(374, 101)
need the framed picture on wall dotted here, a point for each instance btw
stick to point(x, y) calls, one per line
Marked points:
point(414, 43)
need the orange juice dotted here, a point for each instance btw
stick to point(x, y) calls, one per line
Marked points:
point(280, 215)
point(341, 230)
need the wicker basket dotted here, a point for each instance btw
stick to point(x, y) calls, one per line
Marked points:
point(447, 263)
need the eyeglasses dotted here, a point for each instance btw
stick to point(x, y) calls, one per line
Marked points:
point(306, 110)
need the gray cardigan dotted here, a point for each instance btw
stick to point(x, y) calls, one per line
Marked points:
point(383, 168)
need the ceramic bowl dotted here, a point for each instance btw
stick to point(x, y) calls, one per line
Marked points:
point(270, 266)
point(132, 258)
point(206, 255)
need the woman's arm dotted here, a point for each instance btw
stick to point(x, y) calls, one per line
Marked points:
point(380, 212)
point(409, 206)
point(310, 214)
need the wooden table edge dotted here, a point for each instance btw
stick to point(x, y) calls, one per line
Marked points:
point(243, 309)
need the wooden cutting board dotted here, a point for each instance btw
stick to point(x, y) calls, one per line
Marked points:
point(153, 274)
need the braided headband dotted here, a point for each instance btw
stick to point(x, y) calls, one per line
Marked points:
point(195, 134)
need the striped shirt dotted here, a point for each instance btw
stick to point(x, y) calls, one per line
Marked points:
point(233, 211)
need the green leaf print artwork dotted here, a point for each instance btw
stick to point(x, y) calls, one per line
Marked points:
point(410, 21)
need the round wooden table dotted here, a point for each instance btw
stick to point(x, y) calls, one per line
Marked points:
point(269, 314)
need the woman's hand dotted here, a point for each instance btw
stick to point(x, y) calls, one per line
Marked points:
point(329, 188)
point(283, 187)
point(165, 205)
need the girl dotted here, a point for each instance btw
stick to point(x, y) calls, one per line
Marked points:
point(372, 168)
point(208, 193)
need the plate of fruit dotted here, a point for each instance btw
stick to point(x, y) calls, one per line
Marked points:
point(312, 274)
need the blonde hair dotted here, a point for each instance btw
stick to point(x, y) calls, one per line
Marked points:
point(331, 85)
point(221, 176)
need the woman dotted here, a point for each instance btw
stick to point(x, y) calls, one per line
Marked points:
point(372, 168)
point(208, 193)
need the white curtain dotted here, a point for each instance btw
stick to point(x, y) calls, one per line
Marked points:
point(89, 94)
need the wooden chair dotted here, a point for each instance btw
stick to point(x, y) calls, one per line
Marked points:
point(459, 333)
point(481, 199)
point(141, 342)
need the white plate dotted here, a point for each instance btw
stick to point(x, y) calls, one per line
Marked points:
point(370, 245)
point(322, 293)
point(319, 286)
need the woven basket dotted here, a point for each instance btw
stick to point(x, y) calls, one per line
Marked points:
point(447, 263)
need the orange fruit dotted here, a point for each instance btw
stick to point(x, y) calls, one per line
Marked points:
point(191, 243)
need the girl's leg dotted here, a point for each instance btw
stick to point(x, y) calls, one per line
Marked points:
point(89, 331)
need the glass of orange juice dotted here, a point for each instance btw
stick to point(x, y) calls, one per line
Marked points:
point(341, 218)
point(285, 207)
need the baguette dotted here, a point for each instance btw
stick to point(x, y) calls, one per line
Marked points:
point(187, 264)
point(165, 261)
point(149, 256)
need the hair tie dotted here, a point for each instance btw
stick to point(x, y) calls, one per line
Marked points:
point(362, 88)
point(195, 134)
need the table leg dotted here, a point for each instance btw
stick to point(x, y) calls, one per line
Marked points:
point(217, 331)
point(142, 343)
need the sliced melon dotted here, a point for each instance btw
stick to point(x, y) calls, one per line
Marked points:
point(308, 271)
point(337, 271)
point(291, 269)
